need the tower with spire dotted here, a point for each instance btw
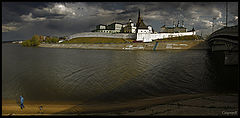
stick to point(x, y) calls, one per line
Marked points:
point(140, 24)
point(139, 18)
point(143, 31)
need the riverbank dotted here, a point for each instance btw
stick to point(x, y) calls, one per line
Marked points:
point(160, 45)
point(184, 104)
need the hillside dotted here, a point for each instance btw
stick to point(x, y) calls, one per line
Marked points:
point(95, 40)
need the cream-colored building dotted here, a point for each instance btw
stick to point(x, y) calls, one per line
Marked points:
point(101, 27)
point(112, 28)
point(130, 27)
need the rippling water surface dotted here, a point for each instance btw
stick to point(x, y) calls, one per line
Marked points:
point(103, 75)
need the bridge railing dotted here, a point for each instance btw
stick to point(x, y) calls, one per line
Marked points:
point(225, 31)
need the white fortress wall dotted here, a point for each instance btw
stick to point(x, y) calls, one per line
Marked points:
point(168, 35)
point(147, 37)
point(143, 37)
point(139, 37)
point(102, 34)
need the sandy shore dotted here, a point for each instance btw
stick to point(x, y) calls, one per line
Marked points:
point(184, 104)
point(209, 105)
point(14, 109)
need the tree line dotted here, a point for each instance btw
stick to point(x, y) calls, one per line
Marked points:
point(38, 39)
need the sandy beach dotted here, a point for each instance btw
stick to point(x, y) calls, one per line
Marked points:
point(10, 107)
point(184, 104)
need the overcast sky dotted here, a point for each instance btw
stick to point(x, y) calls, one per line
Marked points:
point(21, 20)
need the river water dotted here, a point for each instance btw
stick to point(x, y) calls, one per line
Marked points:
point(50, 74)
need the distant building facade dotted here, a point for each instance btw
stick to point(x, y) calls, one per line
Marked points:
point(174, 29)
point(146, 34)
point(112, 28)
point(143, 32)
point(101, 27)
point(130, 27)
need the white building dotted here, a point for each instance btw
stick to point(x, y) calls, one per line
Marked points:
point(101, 27)
point(112, 28)
point(143, 32)
point(146, 33)
point(130, 27)
point(150, 29)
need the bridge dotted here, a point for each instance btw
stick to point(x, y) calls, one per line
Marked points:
point(225, 40)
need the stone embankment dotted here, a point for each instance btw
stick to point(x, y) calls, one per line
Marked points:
point(102, 34)
point(161, 45)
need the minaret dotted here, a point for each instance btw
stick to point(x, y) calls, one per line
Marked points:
point(193, 30)
point(182, 23)
point(226, 13)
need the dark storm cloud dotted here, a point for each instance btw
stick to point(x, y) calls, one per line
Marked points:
point(11, 11)
point(22, 20)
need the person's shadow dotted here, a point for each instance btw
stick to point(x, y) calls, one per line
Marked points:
point(18, 102)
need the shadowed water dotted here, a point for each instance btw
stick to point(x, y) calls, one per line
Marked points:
point(48, 74)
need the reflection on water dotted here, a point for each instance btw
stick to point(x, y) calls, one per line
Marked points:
point(104, 75)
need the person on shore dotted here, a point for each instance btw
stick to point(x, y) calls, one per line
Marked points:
point(21, 99)
point(41, 107)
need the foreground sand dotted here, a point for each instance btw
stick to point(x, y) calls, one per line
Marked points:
point(210, 105)
point(184, 104)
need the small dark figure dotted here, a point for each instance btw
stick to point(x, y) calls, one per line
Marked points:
point(40, 109)
point(21, 99)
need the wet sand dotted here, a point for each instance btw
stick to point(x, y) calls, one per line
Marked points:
point(184, 104)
